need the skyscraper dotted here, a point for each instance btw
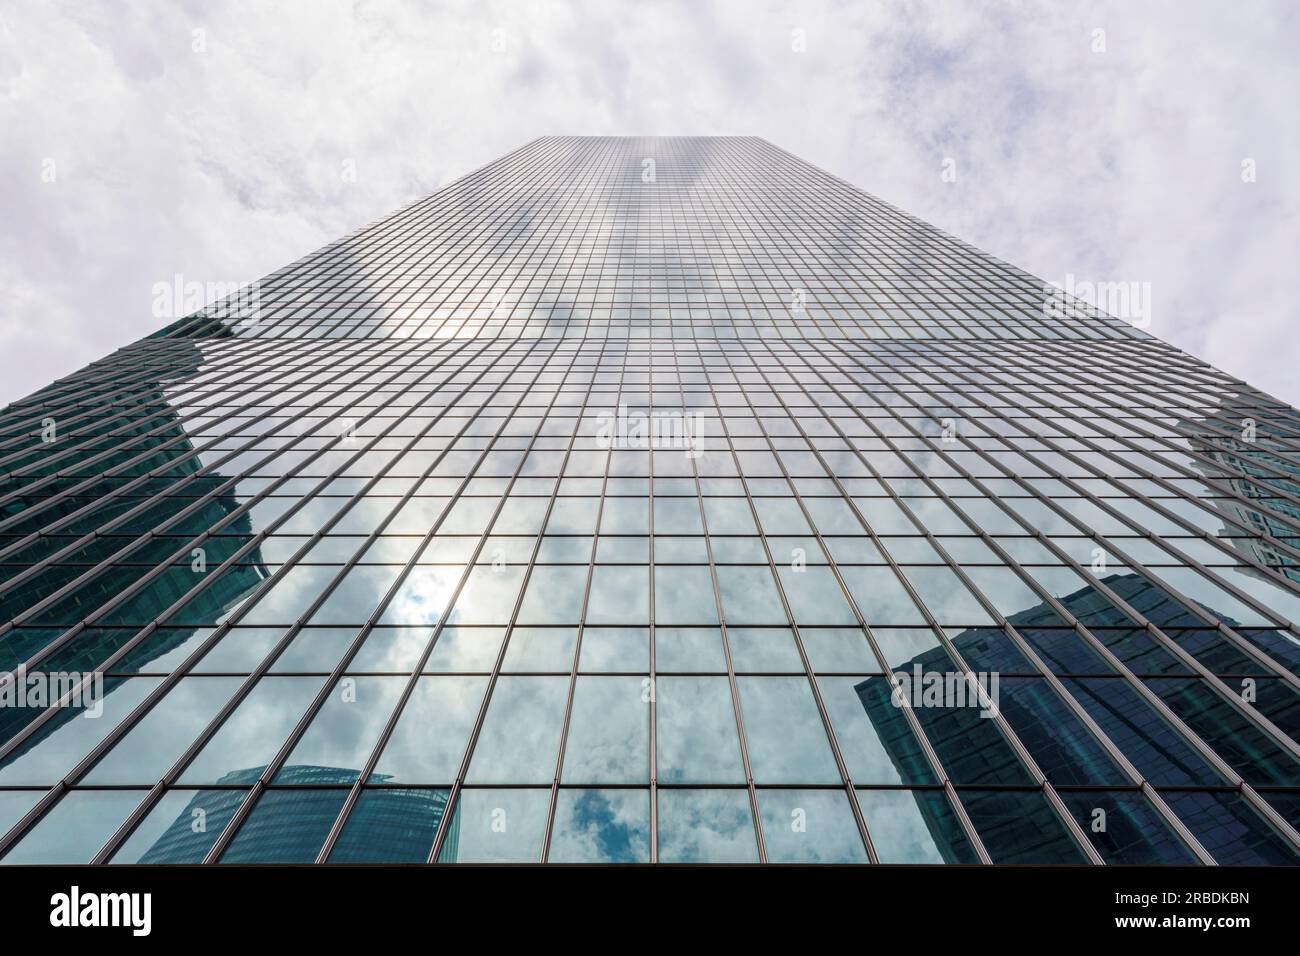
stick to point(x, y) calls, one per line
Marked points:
point(651, 499)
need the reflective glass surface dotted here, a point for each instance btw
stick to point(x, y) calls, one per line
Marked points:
point(649, 499)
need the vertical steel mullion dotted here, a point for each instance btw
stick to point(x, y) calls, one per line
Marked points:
point(265, 778)
point(999, 720)
point(823, 714)
point(453, 796)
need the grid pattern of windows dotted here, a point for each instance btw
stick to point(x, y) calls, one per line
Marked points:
point(649, 500)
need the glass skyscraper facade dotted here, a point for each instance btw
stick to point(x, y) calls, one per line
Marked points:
point(649, 500)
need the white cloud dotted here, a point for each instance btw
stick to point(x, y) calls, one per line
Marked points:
point(226, 164)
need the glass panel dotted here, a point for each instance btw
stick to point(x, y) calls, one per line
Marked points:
point(880, 597)
point(689, 649)
point(619, 595)
point(286, 826)
point(609, 732)
point(614, 649)
point(497, 826)
point(815, 596)
point(1019, 827)
point(520, 739)
point(601, 826)
point(914, 826)
point(181, 828)
point(684, 595)
point(56, 746)
point(346, 728)
point(706, 826)
point(391, 826)
point(764, 650)
point(154, 744)
point(253, 734)
point(696, 733)
point(468, 649)
point(809, 826)
point(749, 596)
point(75, 829)
point(875, 739)
point(1232, 831)
point(787, 742)
point(429, 740)
point(1126, 829)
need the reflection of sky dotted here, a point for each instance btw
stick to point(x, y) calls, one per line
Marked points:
point(254, 732)
point(706, 826)
point(601, 826)
point(809, 826)
point(898, 827)
point(76, 828)
point(430, 738)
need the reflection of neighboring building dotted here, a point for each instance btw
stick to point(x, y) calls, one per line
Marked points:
point(294, 826)
point(89, 649)
point(971, 749)
point(94, 645)
point(1095, 609)
point(1243, 472)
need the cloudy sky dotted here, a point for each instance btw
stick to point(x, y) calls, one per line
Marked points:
point(1109, 142)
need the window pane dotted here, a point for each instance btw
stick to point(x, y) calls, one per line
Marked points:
point(809, 826)
point(520, 739)
point(706, 826)
point(609, 732)
point(428, 742)
point(696, 731)
point(286, 826)
point(914, 826)
point(601, 826)
point(391, 826)
point(787, 742)
point(497, 826)
point(76, 828)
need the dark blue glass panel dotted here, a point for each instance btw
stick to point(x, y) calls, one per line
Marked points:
point(1125, 828)
point(1230, 829)
point(286, 826)
point(391, 826)
point(1019, 826)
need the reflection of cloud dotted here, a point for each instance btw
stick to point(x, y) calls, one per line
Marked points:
point(256, 729)
point(488, 596)
point(429, 740)
point(809, 826)
point(713, 826)
point(521, 732)
point(346, 728)
point(898, 827)
point(601, 826)
point(423, 596)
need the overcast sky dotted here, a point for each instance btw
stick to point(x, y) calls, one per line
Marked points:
point(1110, 142)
